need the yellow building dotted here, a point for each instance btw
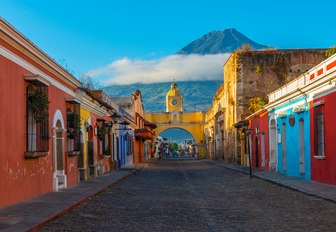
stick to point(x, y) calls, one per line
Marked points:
point(214, 130)
point(174, 99)
point(174, 117)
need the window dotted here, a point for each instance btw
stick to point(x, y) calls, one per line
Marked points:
point(319, 130)
point(73, 129)
point(103, 132)
point(37, 131)
point(262, 149)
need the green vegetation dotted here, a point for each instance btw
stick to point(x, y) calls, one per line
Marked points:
point(174, 146)
point(259, 69)
point(331, 51)
point(197, 95)
point(38, 103)
point(101, 132)
point(256, 104)
point(73, 124)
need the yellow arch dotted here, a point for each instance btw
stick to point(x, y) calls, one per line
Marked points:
point(193, 122)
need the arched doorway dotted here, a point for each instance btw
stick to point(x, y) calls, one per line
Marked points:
point(175, 143)
point(59, 175)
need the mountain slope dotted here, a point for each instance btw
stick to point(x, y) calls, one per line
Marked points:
point(215, 42)
point(197, 95)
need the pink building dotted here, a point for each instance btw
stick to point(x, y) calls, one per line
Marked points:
point(35, 95)
point(258, 139)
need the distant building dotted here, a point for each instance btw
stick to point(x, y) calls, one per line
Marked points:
point(175, 117)
point(253, 74)
point(214, 128)
point(294, 133)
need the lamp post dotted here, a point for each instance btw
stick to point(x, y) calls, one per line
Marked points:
point(247, 133)
point(115, 117)
point(244, 126)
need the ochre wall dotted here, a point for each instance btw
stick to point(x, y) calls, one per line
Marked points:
point(193, 122)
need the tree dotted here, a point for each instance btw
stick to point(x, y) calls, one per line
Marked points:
point(256, 104)
point(88, 82)
point(331, 51)
point(65, 65)
point(174, 146)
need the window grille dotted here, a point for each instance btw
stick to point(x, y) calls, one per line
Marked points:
point(73, 128)
point(319, 130)
point(37, 125)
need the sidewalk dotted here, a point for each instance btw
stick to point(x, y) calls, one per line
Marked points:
point(312, 188)
point(30, 215)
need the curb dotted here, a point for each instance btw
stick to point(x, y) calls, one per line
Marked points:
point(276, 183)
point(80, 201)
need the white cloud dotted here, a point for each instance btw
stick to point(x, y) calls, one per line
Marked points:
point(179, 67)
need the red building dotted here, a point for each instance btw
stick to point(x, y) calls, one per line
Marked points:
point(33, 138)
point(323, 134)
point(258, 139)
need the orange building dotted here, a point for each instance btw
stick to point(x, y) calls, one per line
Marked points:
point(36, 92)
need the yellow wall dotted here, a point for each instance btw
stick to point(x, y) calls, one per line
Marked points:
point(230, 91)
point(85, 114)
point(193, 122)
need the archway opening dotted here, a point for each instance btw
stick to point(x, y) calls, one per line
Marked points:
point(176, 143)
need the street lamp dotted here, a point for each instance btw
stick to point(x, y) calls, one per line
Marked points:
point(244, 126)
point(115, 117)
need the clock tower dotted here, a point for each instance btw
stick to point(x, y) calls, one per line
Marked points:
point(173, 99)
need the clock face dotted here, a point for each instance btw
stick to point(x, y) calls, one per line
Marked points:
point(174, 102)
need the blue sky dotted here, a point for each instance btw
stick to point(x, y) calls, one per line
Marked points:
point(95, 35)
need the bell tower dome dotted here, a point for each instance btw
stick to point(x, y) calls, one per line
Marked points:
point(174, 99)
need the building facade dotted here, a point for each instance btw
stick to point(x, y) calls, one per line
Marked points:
point(34, 93)
point(214, 127)
point(175, 117)
point(300, 125)
point(54, 133)
point(252, 74)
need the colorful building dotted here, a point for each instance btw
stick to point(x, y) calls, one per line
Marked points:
point(175, 117)
point(214, 128)
point(252, 74)
point(258, 145)
point(37, 155)
point(54, 133)
point(300, 126)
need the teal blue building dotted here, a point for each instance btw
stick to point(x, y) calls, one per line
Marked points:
point(293, 137)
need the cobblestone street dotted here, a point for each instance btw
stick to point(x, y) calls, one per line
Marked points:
point(197, 196)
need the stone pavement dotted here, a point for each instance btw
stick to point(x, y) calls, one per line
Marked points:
point(197, 195)
point(325, 191)
point(31, 214)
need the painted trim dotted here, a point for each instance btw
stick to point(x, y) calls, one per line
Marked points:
point(282, 114)
point(318, 103)
point(32, 77)
point(58, 116)
point(324, 93)
point(299, 109)
point(319, 157)
point(24, 64)
point(17, 37)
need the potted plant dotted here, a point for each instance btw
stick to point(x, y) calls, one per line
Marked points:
point(73, 124)
point(38, 103)
point(101, 132)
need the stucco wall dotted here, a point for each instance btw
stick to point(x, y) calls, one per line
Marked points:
point(242, 82)
point(292, 159)
point(323, 170)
